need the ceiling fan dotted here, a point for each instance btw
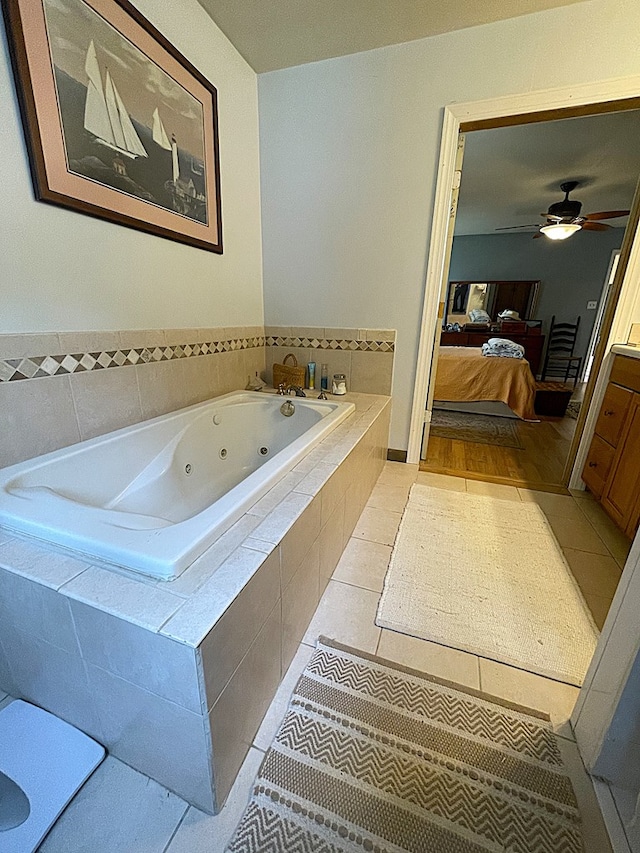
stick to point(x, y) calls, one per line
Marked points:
point(563, 218)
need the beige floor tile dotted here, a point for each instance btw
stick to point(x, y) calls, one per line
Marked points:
point(593, 511)
point(493, 490)
point(625, 801)
point(442, 481)
point(599, 606)
point(615, 540)
point(530, 690)
point(203, 833)
point(398, 474)
point(346, 614)
point(560, 505)
point(280, 703)
point(596, 574)
point(363, 564)
point(378, 525)
point(577, 534)
point(581, 495)
point(596, 838)
point(430, 658)
point(393, 498)
point(117, 809)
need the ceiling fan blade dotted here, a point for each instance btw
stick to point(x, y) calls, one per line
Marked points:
point(553, 216)
point(535, 236)
point(607, 214)
point(595, 226)
point(513, 227)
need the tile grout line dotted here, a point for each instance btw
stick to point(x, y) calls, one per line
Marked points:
point(177, 827)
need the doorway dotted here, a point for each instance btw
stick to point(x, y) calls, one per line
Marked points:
point(501, 263)
point(620, 643)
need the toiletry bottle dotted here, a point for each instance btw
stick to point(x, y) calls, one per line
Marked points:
point(312, 374)
point(324, 377)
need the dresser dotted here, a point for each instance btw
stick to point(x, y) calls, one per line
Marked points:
point(533, 343)
point(612, 468)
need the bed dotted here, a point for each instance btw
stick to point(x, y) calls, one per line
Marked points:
point(466, 376)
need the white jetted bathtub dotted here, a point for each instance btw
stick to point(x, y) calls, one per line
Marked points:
point(152, 497)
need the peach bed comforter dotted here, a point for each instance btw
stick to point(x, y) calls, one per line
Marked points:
point(465, 375)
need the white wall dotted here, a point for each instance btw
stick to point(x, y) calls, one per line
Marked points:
point(349, 152)
point(60, 270)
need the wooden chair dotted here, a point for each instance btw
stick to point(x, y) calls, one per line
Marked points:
point(559, 360)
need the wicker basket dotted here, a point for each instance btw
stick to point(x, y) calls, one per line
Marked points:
point(288, 374)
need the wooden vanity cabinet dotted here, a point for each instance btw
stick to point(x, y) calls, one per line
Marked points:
point(612, 469)
point(621, 497)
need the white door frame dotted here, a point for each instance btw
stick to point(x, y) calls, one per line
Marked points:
point(605, 293)
point(454, 115)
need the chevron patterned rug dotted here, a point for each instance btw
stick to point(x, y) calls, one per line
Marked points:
point(374, 757)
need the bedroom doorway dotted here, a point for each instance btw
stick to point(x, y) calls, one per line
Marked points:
point(487, 442)
point(598, 704)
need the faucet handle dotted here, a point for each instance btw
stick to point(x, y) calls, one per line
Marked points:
point(322, 395)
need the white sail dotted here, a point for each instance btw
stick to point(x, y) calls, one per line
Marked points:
point(174, 159)
point(131, 138)
point(96, 116)
point(105, 115)
point(159, 133)
point(114, 117)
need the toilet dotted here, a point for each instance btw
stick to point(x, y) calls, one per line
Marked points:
point(43, 762)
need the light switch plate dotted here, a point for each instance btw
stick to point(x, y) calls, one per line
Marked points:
point(592, 305)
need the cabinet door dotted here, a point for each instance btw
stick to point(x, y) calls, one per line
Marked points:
point(613, 413)
point(598, 465)
point(623, 485)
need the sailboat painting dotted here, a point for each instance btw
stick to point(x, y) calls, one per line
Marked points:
point(136, 123)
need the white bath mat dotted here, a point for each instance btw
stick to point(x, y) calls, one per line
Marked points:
point(488, 577)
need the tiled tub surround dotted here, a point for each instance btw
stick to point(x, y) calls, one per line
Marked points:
point(60, 388)
point(174, 678)
point(365, 356)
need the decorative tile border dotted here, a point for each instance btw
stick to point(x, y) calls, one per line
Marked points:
point(39, 366)
point(63, 364)
point(330, 344)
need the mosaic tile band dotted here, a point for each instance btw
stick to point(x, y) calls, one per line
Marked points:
point(40, 366)
point(330, 344)
point(37, 367)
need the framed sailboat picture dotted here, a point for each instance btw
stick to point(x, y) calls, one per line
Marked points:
point(118, 123)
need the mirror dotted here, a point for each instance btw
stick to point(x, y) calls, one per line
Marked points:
point(490, 296)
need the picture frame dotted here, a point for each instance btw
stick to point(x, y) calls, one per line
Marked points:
point(118, 124)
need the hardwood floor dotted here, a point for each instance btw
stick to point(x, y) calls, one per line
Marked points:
point(539, 464)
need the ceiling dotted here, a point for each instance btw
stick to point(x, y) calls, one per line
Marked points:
point(273, 34)
point(512, 174)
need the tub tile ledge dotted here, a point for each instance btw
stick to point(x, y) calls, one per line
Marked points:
point(146, 605)
point(199, 614)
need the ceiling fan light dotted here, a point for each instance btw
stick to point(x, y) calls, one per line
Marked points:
point(560, 231)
